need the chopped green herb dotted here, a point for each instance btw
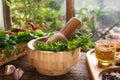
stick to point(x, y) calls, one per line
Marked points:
point(78, 40)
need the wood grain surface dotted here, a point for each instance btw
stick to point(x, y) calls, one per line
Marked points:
point(78, 72)
point(94, 70)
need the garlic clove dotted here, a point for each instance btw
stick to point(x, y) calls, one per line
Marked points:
point(18, 73)
point(9, 69)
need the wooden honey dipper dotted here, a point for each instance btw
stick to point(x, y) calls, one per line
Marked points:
point(67, 31)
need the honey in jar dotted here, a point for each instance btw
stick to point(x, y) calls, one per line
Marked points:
point(105, 52)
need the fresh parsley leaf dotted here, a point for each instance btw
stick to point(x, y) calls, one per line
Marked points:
point(78, 40)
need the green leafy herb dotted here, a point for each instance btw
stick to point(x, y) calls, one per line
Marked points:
point(7, 44)
point(78, 40)
point(23, 37)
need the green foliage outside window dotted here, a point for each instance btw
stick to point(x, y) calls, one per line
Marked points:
point(43, 13)
point(90, 18)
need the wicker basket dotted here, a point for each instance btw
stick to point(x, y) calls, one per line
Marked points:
point(22, 48)
point(52, 63)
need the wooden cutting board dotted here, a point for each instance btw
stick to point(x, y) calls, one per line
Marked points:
point(92, 64)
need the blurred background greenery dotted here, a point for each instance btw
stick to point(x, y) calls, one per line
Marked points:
point(50, 15)
point(45, 14)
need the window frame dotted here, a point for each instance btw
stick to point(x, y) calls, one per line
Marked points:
point(6, 12)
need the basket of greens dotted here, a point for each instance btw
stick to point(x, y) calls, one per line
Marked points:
point(8, 48)
point(14, 45)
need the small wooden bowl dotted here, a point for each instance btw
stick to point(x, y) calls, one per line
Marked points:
point(117, 68)
point(93, 67)
point(52, 63)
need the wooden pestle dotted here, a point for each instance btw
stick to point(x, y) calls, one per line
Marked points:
point(67, 31)
point(71, 26)
point(57, 37)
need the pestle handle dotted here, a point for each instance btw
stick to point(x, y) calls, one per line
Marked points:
point(70, 27)
point(57, 37)
point(67, 31)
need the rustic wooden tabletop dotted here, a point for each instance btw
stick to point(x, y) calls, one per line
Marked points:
point(78, 72)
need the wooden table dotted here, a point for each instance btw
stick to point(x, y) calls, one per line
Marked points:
point(78, 72)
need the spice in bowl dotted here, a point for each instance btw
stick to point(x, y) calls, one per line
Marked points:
point(111, 75)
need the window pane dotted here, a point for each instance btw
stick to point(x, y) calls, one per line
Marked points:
point(1, 16)
point(45, 14)
point(99, 17)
